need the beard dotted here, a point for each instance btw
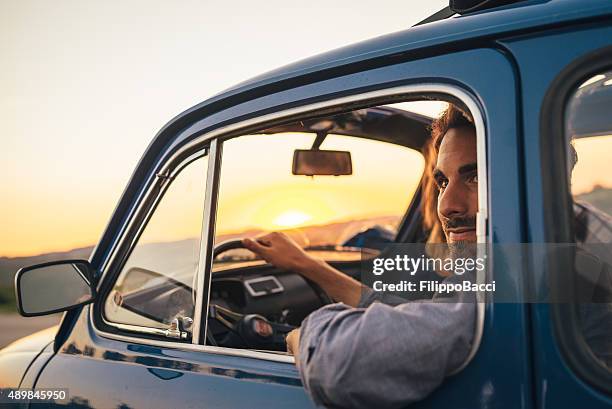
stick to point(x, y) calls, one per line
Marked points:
point(462, 249)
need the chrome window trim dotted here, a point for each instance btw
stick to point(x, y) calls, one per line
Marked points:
point(211, 199)
point(207, 240)
point(246, 353)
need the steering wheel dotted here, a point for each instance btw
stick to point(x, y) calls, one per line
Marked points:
point(227, 246)
point(237, 244)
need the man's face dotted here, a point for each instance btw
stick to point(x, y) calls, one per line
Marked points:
point(456, 177)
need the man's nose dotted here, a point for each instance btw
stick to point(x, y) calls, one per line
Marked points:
point(452, 202)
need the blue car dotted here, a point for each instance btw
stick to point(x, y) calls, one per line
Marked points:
point(171, 311)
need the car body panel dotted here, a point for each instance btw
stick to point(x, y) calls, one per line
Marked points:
point(540, 60)
point(146, 376)
point(17, 357)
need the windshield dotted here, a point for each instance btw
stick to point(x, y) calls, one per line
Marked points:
point(330, 207)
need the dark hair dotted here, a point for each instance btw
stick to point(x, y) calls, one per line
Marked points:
point(452, 117)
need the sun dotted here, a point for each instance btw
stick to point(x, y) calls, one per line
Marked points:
point(291, 218)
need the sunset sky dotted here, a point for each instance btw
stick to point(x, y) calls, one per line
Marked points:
point(87, 84)
point(593, 164)
point(260, 191)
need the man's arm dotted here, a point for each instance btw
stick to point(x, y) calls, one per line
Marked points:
point(382, 356)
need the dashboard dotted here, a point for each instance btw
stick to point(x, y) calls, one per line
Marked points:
point(280, 296)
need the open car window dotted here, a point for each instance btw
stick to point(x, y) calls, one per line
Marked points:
point(342, 185)
point(325, 214)
point(331, 216)
point(334, 184)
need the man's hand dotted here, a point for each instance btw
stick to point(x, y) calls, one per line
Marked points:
point(279, 249)
point(293, 344)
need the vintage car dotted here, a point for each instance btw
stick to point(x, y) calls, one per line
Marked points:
point(171, 312)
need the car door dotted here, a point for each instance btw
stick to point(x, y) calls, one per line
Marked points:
point(120, 352)
point(567, 150)
point(125, 360)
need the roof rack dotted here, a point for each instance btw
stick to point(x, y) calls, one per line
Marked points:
point(464, 7)
point(443, 14)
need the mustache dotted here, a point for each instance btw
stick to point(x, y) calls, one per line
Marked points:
point(457, 222)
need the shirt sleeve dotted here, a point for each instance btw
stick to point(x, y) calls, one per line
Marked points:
point(382, 356)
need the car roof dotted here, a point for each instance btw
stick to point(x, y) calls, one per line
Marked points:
point(520, 16)
point(466, 31)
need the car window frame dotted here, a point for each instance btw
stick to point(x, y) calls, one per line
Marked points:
point(211, 139)
point(557, 199)
point(159, 185)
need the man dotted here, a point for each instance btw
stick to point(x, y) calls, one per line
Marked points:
point(349, 354)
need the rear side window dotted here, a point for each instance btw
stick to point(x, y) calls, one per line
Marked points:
point(588, 131)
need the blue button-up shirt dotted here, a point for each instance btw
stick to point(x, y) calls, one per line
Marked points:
point(380, 355)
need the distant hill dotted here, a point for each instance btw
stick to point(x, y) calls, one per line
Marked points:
point(10, 265)
point(337, 232)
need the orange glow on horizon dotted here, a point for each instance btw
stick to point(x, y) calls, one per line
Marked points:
point(593, 161)
point(291, 218)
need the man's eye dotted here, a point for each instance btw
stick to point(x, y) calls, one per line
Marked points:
point(473, 179)
point(441, 184)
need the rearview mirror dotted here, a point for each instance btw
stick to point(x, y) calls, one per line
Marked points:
point(313, 162)
point(53, 287)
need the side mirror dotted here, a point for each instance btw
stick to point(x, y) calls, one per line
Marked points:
point(310, 162)
point(53, 287)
